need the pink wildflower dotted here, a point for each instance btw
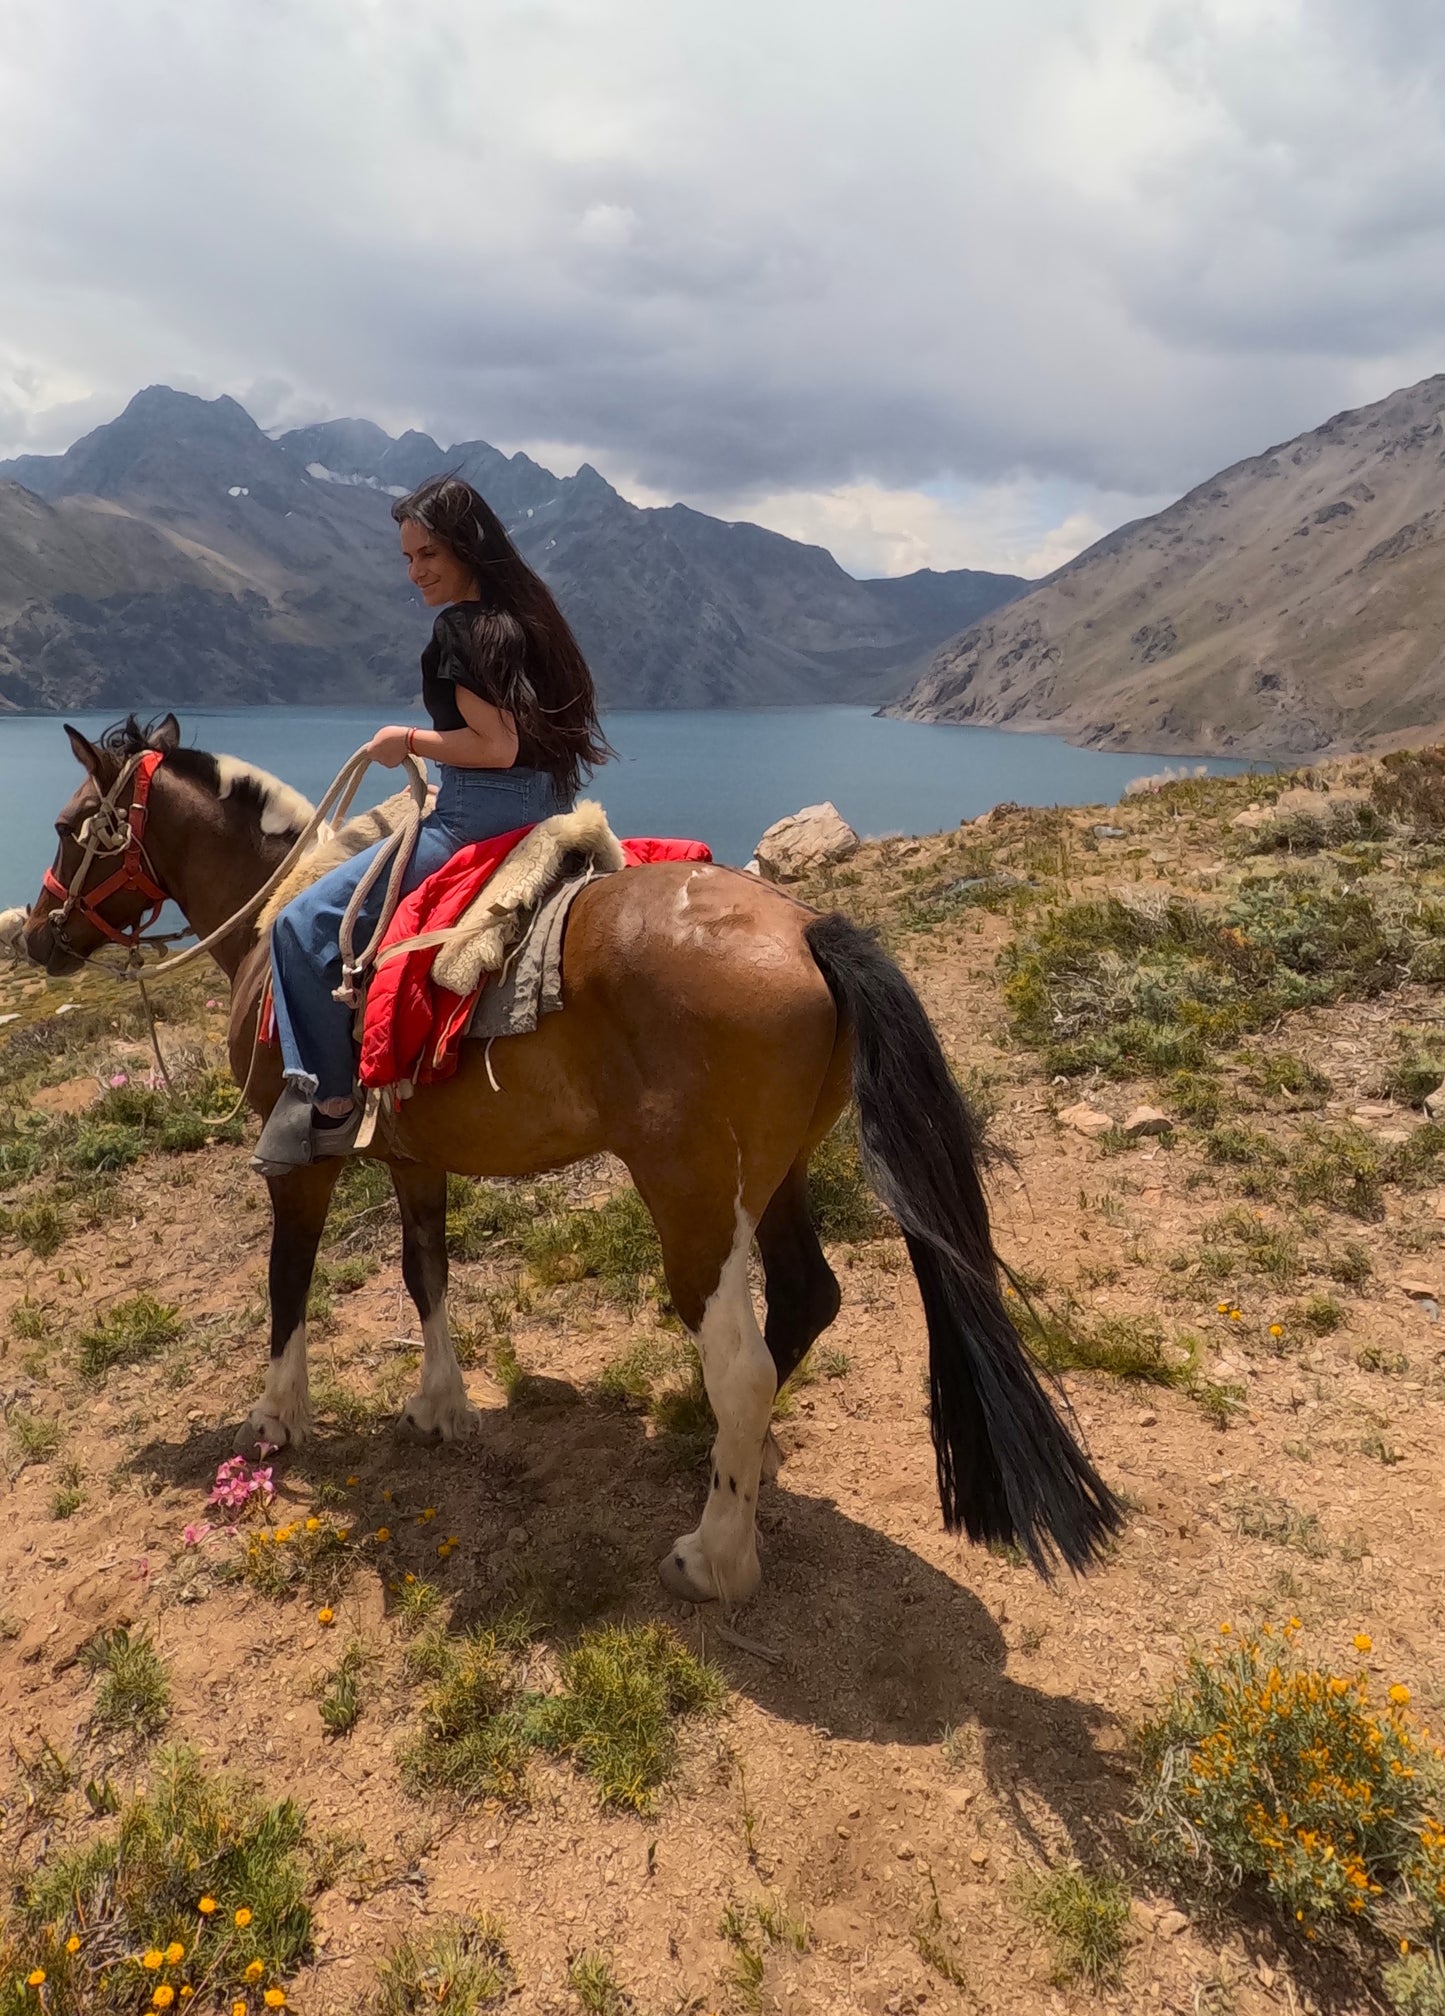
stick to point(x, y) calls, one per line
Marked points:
point(194, 1535)
point(117, 1079)
point(238, 1482)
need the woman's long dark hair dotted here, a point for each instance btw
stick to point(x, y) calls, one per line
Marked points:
point(520, 640)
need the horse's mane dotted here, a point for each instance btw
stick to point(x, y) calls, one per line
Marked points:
point(279, 809)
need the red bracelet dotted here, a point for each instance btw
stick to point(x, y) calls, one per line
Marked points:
point(411, 741)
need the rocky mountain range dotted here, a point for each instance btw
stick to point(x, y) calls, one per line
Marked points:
point(179, 554)
point(1293, 604)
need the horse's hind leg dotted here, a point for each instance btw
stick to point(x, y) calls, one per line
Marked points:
point(299, 1203)
point(441, 1411)
point(802, 1289)
point(706, 1241)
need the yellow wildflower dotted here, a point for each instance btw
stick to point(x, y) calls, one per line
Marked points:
point(1225, 1629)
point(238, 2009)
point(313, 1525)
point(275, 1998)
point(175, 1953)
point(428, 1512)
point(206, 1906)
point(163, 1997)
point(255, 1971)
point(327, 1616)
point(1276, 1329)
point(383, 1533)
point(1399, 1695)
point(1222, 1307)
point(35, 1978)
point(243, 1917)
point(352, 1482)
point(1363, 1642)
point(72, 1944)
point(153, 1961)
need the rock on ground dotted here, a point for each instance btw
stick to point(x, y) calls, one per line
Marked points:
point(817, 837)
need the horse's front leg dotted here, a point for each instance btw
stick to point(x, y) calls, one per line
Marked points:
point(441, 1411)
point(299, 1202)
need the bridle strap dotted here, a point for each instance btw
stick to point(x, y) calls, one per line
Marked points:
point(105, 834)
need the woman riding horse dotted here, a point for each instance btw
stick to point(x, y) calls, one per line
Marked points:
point(514, 729)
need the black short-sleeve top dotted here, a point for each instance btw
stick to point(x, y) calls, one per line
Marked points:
point(453, 659)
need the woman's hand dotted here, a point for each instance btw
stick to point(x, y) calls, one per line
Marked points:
point(388, 747)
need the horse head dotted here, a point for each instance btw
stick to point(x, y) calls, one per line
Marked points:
point(101, 888)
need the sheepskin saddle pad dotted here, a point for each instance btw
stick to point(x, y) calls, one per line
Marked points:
point(568, 845)
point(557, 850)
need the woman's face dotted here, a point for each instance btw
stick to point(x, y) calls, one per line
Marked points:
point(434, 569)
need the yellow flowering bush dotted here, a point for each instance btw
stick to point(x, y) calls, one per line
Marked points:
point(197, 1891)
point(1263, 1770)
point(312, 1554)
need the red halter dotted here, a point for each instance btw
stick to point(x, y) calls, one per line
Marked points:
point(132, 874)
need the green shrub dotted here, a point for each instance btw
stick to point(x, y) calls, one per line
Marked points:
point(129, 1333)
point(479, 1215)
point(134, 1695)
point(1341, 1167)
point(462, 1965)
point(1153, 986)
point(1243, 1146)
point(614, 1244)
point(1409, 785)
point(839, 1199)
point(1129, 1347)
point(1084, 1916)
point(626, 1687)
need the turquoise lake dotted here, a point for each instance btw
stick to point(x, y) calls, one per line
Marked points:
point(718, 777)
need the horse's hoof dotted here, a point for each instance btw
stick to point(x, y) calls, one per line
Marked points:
point(678, 1581)
point(266, 1431)
point(429, 1421)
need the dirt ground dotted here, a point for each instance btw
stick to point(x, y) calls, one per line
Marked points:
point(921, 1724)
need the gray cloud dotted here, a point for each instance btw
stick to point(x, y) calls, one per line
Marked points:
point(733, 252)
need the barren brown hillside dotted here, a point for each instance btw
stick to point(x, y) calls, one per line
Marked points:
point(1294, 603)
point(915, 1784)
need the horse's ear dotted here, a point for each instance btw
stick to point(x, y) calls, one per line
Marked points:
point(166, 735)
point(86, 753)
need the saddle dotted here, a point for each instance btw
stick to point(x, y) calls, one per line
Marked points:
point(495, 912)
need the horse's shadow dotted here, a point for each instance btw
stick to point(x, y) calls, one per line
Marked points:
point(564, 1505)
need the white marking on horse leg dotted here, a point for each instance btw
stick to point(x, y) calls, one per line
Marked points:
point(442, 1407)
point(282, 1415)
point(720, 1558)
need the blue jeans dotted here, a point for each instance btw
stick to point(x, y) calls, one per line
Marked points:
point(314, 1030)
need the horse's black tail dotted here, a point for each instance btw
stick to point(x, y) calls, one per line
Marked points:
point(1008, 1468)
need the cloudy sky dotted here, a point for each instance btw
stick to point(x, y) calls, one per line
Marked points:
point(935, 282)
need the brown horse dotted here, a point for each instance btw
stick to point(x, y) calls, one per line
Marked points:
point(712, 1032)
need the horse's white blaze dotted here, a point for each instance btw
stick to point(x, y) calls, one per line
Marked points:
point(283, 811)
point(442, 1406)
point(720, 1558)
point(283, 1413)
